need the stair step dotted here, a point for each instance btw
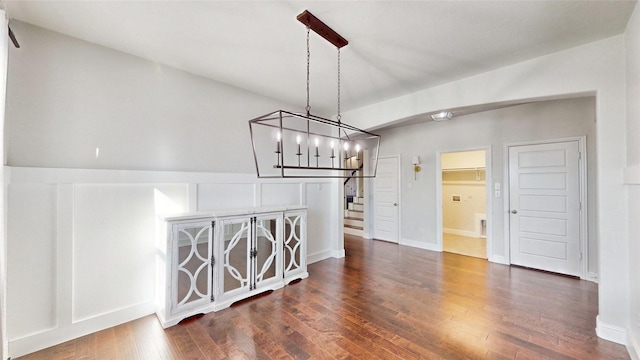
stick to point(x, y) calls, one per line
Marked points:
point(354, 206)
point(354, 214)
point(350, 221)
point(353, 231)
point(353, 227)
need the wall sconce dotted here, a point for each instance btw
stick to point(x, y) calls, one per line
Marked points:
point(416, 166)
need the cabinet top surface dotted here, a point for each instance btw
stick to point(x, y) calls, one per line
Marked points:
point(227, 212)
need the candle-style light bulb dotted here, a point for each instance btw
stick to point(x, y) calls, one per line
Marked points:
point(298, 139)
point(278, 137)
point(333, 155)
point(317, 143)
point(346, 150)
point(358, 152)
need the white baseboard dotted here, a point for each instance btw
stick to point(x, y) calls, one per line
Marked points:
point(499, 259)
point(611, 332)
point(55, 336)
point(420, 245)
point(633, 346)
point(366, 235)
point(319, 256)
point(467, 233)
point(592, 276)
point(339, 254)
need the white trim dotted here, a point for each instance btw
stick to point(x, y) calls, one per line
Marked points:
point(465, 182)
point(319, 256)
point(582, 179)
point(58, 335)
point(460, 232)
point(633, 347)
point(611, 332)
point(338, 254)
point(488, 205)
point(592, 276)
point(420, 245)
point(499, 259)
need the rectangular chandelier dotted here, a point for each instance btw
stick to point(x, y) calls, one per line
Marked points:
point(293, 145)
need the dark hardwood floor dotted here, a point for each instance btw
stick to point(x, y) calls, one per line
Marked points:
point(382, 301)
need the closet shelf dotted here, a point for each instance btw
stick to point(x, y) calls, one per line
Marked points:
point(465, 169)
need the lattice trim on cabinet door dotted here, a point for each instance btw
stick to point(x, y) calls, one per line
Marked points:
point(181, 266)
point(294, 238)
point(269, 236)
point(227, 251)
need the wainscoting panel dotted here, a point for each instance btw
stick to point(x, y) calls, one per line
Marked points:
point(274, 194)
point(31, 259)
point(319, 241)
point(113, 253)
point(224, 196)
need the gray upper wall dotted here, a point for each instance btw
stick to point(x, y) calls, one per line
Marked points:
point(67, 97)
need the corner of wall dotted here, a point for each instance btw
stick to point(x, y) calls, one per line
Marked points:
point(633, 346)
point(611, 332)
point(420, 245)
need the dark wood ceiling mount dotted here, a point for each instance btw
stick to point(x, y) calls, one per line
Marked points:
point(320, 28)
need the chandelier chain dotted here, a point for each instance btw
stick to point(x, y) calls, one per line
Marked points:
point(339, 117)
point(308, 108)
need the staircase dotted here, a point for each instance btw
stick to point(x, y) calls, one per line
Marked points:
point(353, 215)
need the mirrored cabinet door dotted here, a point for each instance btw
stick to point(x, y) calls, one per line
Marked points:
point(235, 273)
point(192, 272)
point(265, 250)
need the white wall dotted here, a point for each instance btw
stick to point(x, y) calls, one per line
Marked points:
point(595, 68)
point(459, 217)
point(632, 178)
point(80, 226)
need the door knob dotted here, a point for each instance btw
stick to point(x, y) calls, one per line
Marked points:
point(395, 204)
point(514, 211)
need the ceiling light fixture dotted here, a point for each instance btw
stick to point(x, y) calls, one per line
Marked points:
point(442, 116)
point(310, 146)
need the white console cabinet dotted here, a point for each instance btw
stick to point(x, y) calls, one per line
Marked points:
point(208, 261)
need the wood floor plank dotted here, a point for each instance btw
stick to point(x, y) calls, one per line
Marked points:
point(382, 301)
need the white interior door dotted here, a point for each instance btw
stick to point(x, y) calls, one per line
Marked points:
point(544, 186)
point(386, 200)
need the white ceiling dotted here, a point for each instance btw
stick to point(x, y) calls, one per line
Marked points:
point(395, 47)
